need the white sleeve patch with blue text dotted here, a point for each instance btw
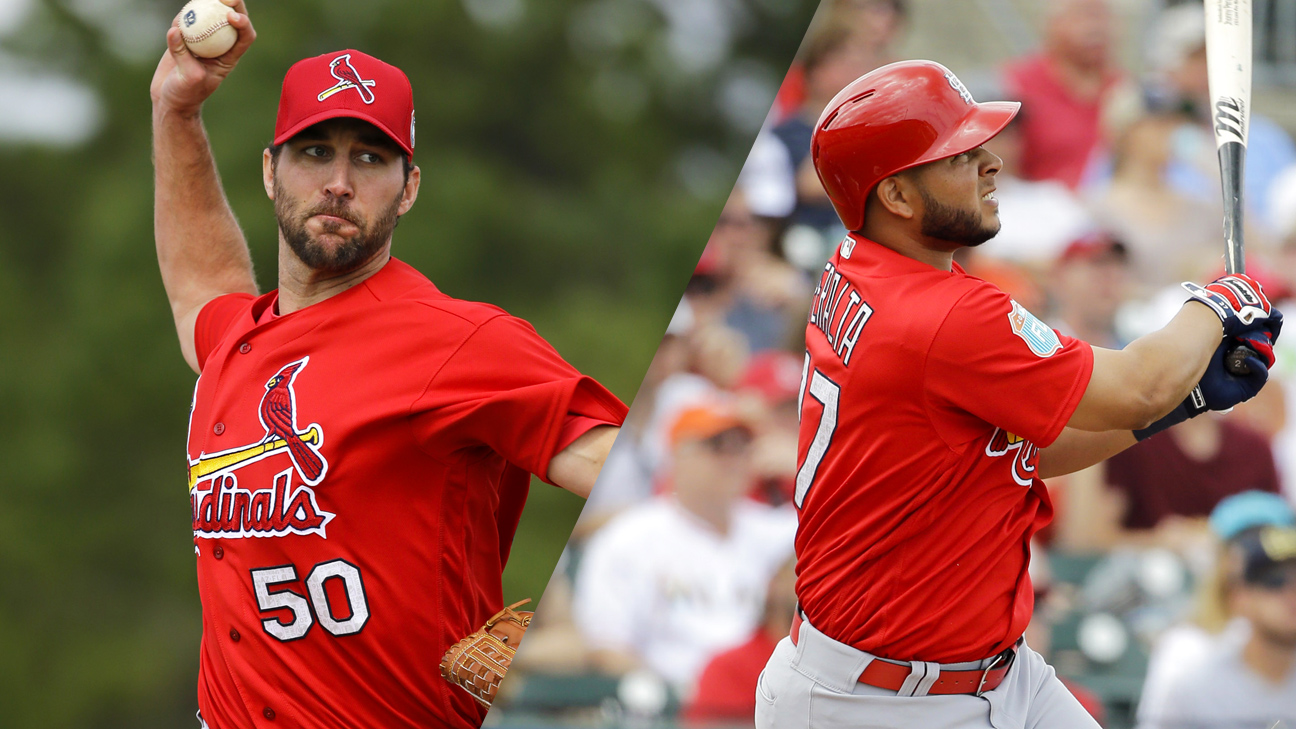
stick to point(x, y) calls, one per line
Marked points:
point(1040, 337)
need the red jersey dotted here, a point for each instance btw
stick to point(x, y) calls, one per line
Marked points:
point(357, 469)
point(927, 395)
point(1060, 130)
point(726, 688)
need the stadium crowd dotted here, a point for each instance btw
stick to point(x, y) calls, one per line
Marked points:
point(678, 581)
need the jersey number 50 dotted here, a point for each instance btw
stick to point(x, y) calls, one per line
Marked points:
point(827, 393)
point(301, 607)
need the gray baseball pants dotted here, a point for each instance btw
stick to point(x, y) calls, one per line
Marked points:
point(815, 684)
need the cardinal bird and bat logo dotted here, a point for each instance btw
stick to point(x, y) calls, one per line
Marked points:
point(1025, 454)
point(223, 509)
point(347, 78)
point(278, 415)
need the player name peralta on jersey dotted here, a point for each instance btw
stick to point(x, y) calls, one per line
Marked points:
point(356, 472)
point(926, 397)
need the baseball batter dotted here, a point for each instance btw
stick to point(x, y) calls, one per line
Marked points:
point(932, 405)
point(360, 444)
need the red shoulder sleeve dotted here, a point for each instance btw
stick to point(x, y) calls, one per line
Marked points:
point(995, 360)
point(507, 389)
point(574, 426)
point(214, 320)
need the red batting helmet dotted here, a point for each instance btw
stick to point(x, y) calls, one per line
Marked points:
point(899, 116)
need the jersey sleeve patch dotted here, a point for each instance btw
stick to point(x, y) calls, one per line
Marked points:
point(1038, 336)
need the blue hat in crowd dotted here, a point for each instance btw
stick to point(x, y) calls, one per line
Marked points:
point(1264, 551)
point(1248, 510)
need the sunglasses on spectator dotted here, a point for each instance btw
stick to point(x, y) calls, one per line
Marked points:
point(732, 442)
point(1277, 578)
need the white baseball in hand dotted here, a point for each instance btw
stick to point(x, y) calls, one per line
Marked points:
point(206, 29)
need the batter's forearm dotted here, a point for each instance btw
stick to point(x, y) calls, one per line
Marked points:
point(1076, 450)
point(1133, 387)
point(1174, 358)
point(201, 249)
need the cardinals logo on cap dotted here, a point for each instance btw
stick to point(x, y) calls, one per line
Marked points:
point(348, 78)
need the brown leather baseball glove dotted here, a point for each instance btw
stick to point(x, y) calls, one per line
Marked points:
point(478, 663)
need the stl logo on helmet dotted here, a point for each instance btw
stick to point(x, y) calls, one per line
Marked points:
point(959, 87)
point(221, 508)
point(347, 78)
point(1025, 456)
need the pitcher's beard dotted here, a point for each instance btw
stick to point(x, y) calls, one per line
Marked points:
point(347, 256)
point(953, 224)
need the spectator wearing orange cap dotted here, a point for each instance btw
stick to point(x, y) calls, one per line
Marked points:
point(672, 581)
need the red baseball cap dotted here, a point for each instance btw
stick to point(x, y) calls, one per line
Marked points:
point(347, 84)
point(1094, 245)
point(774, 374)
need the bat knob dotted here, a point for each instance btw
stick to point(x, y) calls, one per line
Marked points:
point(1235, 361)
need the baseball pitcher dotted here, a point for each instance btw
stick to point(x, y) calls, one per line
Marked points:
point(360, 444)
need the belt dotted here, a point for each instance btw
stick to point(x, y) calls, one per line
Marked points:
point(891, 676)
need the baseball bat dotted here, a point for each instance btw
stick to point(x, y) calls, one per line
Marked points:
point(1228, 63)
point(208, 465)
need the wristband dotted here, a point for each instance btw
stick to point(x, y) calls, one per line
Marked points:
point(1191, 407)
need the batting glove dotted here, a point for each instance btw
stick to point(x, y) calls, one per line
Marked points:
point(1222, 389)
point(1219, 389)
point(1239, 302)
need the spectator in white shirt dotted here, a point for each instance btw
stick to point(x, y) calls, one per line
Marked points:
point(671, 582)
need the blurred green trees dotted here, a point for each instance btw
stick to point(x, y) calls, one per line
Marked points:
point(575, 155)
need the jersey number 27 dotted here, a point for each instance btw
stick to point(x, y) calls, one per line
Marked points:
point(827, 393)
